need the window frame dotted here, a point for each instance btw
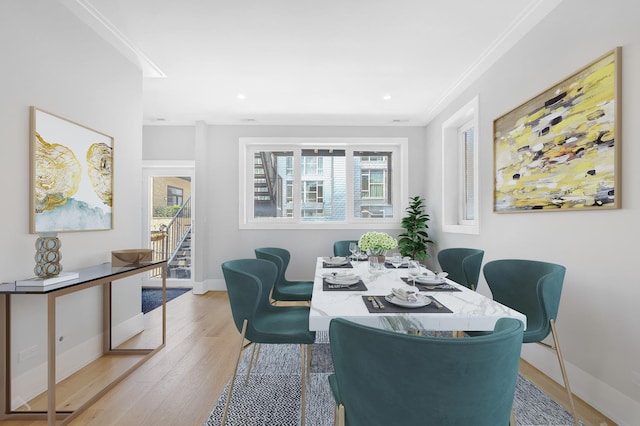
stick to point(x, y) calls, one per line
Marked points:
point(398, 169)
point(454, 170)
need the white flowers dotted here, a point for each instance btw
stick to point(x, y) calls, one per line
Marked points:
point(376, 242)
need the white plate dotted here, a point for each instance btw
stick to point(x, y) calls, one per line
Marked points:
point(422, 301)
point(346, 281)
point(336, 261)
point(430, 280)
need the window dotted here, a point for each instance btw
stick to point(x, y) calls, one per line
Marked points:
point(174, 196)
point(460, 171)
point(320, 182)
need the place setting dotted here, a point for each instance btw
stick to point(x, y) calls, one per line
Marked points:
point(336, 262)
point(430, 281)
point(342, 281)
point(403, 299)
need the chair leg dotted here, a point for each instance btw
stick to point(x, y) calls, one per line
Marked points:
point(235, 371)
point(303, 384)
point(556, 343)
point(341, 418)
point(308, 364)
point(253, 361)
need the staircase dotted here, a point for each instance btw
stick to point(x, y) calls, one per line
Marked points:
point(264, 197)
point(179, 266)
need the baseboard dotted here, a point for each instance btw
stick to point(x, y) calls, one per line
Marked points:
point(210, 285)
point(127, 329)
point(32, 383)
point(609, 401)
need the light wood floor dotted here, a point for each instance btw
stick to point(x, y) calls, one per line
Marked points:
point(180, 384)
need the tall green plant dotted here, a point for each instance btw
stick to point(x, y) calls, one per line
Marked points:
point(413, 242)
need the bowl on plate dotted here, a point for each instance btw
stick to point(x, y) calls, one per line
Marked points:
point(335, 261)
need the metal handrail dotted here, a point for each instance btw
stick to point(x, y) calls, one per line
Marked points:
point(169, 238)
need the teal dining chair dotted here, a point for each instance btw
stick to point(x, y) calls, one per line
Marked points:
point(249, 282)
point(534, 289)
point(341, 248)
point(284, 289)
point(462, 264)
point(385, 377)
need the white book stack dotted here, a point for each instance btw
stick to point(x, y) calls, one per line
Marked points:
point(41, 282)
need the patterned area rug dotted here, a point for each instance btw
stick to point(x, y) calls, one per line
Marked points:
point(272, 395)
point(152, 297)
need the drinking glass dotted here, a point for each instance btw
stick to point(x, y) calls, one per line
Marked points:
point(413, 270)
point(374, 267)
point(396, 261)
point(353, 247)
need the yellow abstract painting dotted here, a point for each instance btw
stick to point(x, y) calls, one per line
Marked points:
point(560, 150)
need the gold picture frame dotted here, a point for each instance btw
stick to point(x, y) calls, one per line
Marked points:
point(560, 151)
point(71, 176)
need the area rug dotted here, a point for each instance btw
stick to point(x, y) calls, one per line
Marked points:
point(272, 395)
point(152, 296)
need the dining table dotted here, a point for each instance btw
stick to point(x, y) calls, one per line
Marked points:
point(365, 297)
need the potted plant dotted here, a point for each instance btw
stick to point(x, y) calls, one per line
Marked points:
point(413, 242)
point(377, 243)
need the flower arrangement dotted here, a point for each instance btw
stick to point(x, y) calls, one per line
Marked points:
point(377, 242)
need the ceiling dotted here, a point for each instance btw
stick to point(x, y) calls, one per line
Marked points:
point(304, 62)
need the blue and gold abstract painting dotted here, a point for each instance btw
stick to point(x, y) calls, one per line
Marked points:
point(72, 175)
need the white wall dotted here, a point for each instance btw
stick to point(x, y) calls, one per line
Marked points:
point(53, 61)
point(217, 189)
point(598, 316)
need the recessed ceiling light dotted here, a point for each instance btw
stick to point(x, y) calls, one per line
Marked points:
point(249, 120)
point(386, 97)
point(400, 120)
point(241, 96)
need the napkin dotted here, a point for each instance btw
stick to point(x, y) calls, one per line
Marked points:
point(408, 294)
point(340, 275)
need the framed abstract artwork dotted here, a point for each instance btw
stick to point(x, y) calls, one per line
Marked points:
point(560, 151)
point(71, 176)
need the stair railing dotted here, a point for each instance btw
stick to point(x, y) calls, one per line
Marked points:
point(173, 234)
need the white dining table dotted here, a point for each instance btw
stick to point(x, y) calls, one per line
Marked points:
point(470, 310)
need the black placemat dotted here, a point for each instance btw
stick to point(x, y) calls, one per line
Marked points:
point(395, 309)
point(389, 265)
point(359, 286)
point(328, 265)
point(428, 287)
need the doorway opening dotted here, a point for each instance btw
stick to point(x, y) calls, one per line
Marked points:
point(169, 223)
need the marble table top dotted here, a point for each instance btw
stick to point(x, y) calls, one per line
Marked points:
point(471, 311)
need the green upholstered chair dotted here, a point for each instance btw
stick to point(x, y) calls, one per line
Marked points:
point(462, 264)
point(283, 289)
point(341, 248)
point(388, 378)
point(533, 288)
point(249, 282)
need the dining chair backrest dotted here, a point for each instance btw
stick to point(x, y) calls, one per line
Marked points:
point(528, 286)
point(249, 283)
point(277, 255)
point(462, 264)
point(341, 248)
point(389, 378)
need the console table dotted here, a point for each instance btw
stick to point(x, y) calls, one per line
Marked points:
point(98, 275)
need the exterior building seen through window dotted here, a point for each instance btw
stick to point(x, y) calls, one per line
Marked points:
point(323, 185)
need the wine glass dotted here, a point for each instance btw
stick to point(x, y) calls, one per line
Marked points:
point(353, 247)
point(413, 270)
point(396, 261)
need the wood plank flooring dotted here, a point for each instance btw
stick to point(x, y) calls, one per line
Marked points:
point(180, 384)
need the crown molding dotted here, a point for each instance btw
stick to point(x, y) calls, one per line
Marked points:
point(99, 23)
